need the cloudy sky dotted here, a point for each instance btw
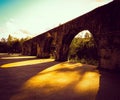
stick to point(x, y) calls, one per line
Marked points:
point(22, 18)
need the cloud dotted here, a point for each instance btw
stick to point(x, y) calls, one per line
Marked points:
point(11, 26)
point(103, 1)
point(11, 20)
point(40, 16)
point(24, 31)
point(99, 0)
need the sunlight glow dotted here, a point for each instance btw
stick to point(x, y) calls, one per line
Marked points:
point(24, 63)
point(62, 79)
point(60, 76)
point(20, 57)
point(66, 65)
point(88, 83)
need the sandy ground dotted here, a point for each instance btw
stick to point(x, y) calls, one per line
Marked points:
point(29, 78)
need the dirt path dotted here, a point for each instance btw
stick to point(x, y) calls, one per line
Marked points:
point(28, 78)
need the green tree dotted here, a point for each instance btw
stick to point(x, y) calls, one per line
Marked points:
point(83, 48)
point(87, 35)
point(9, 40)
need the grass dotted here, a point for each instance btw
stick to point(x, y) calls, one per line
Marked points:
point(85, 61)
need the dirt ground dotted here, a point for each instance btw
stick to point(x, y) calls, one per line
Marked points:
point(29, 78)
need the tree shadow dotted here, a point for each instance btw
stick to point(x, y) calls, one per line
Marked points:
point(80, 69)
point(7, 60)
point(109, 86)
point(59, 84)
point(11, 79)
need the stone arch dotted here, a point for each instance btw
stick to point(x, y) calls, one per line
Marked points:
point(44, 46)
point(91, 53)
point(33, 49)
point(104, 25)
point(66, 41)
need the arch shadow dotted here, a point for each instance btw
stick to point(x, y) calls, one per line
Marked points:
point(11, 79)
point(109, 86)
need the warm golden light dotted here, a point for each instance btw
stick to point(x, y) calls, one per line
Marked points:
point(56, 76)
point(24, 63)
point(89, 84)
point(64, 79)
point(89, 81)
point(19, 57)
point(62, 66)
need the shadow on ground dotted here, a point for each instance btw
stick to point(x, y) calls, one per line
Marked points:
point(50, 80)
point(109, 86)
point(11, 79)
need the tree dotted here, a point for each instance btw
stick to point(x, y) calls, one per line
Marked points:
point(10, 38)
point(3, 40)
point(16, 46)
point(12, 44)
point(83, 48)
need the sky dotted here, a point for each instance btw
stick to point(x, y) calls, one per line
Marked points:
point(22, 18)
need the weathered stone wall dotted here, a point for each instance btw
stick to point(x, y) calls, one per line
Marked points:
point(43, 43)
point(103, 23)
point(26, 48)
point(109, 50)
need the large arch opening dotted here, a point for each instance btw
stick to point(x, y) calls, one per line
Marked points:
point(83, 49)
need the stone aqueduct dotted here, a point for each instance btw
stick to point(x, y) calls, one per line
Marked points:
point(103, 23)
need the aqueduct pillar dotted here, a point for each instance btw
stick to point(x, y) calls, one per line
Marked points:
point(102, 22)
